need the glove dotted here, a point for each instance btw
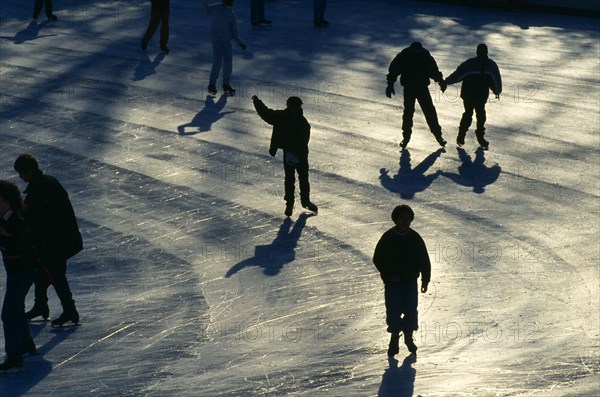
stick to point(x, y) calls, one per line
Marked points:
point(389, 91)
point(242, 46)
point(443, 85)
point(273, 151)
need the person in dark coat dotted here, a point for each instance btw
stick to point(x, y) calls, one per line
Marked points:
point(291, 132)
point(415, 66)
point(159, 14)
point(401, 257)
point(479, 75)
point(54, 234)
point(16, 255)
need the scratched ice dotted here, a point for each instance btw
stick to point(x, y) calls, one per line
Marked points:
point(193, 283)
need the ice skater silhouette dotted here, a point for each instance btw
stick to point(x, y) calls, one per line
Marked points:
point(399, 381)
point(207, 116)
point(273, 257)
point(409, 181)
point(474, 174)
point(146, 67)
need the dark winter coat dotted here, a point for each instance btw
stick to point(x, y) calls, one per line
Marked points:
point(51, 219)
point(479, 75)
point(291, 130)
point(17, 254)
point(415, 66)
point(402, 256)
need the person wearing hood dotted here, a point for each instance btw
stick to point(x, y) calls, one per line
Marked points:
point(479, 75)
point(291, 132)
point(415, 66)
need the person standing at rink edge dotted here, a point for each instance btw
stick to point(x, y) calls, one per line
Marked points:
point(291, 132)
point(415, 66)
point(401, 257)
point(54, 234)
point(479, 75)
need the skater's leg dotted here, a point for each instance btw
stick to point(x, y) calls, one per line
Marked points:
point(58, 271)
point(217, 52)
point(302, 169)
point(37, 8)
point(48, 9)
point(289, 182)
point(164, 26)
point(393, 307)
point(466, 119)
point(410, 301)
point(426, 103)
point(227, 62)
point(481, 119)
point(152, 25)
point(16, 329)
point(407, 115)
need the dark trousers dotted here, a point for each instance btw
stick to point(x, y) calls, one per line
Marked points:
point(37, 8)
point(290, 178)
point(58, 272)
point(319, 7)
point(257, 10)
point(16, 329)
point(159, 14)
point(421, 94)
point(471, 105)
point(401, 300)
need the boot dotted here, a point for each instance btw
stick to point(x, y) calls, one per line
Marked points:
point(11, 365)
point(38, 310)
point(66, 316)
point(394, 347)
point(310, 206)
point(408, 341)
point(289, 208)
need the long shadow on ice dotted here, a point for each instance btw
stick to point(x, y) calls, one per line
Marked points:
point(146, 67)
point(474, 174)
point(36, 367)
point(273, 257)
point(410, 181)
point(398, 381)
point(204, 120)
point(30, 33)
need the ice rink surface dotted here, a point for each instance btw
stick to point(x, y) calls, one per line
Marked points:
point(192, 281)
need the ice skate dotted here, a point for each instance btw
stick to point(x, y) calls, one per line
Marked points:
point(394, 347)
point(229, 90)
point(289, 208)
point(410, 344)
point(310, 206)
point(37, 311)
point(65, 317)
point(212, 89)
point(11, 366)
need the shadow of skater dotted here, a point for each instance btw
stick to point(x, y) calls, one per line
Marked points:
point(38, 368)
point(273, 257)
point(399, 381)
point(146, 67)
point(204, 120)
point(474, 174)
point(409, 181)
point(30, 33)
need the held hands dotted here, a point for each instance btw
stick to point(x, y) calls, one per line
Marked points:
point(389, 91)
point(423, 288)
point(273, 151)
point(443, 85)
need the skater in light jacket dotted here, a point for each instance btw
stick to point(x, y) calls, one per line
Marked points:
point(479, 75)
